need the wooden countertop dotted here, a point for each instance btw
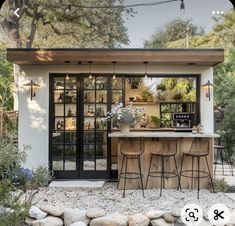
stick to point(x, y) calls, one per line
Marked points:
point(163, 134)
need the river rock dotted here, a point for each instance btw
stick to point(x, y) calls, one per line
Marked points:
point(52, 210)
point(154, 214)
point(75, 215)
point(160, 222)
point(95, 212)
point(176, 212)
point(29, 220)
point(36, 213)
point(138, 220)
point(80, 223)
point(48, 221)
point(110, 220)
point(169, 218)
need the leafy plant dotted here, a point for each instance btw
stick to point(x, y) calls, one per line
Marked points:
point(220, 185)
point(156, 121)
point(12, 157)
point(146, 95)
point(42, 176)
point(13, 210)
point(23, 178)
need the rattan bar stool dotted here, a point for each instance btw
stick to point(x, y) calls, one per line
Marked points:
point(199, 149)
point(168, 149)
point(131, 149)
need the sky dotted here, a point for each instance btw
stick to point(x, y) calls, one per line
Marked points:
point(148, 19)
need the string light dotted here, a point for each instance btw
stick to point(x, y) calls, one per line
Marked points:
point(122, 6)
point(114, 76)
point(145, 70)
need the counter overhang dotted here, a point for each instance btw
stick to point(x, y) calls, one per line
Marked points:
point(162, 135)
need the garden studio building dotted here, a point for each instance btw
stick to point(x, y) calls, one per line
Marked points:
point(64, 95)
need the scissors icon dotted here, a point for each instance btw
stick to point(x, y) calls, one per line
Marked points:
point(218, 214)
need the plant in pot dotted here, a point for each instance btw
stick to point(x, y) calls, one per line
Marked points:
point(147, 95)
point(125, 116)
point(155, 122)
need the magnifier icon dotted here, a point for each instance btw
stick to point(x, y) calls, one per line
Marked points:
point(191, 214)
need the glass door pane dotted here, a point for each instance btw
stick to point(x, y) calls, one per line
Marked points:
point(64, 131)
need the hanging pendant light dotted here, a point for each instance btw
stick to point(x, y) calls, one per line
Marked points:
point(114, 75)
point(67, 74)
point(145, 70)
point(90, 76)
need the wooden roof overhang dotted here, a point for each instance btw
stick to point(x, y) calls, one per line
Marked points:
point(199, 57)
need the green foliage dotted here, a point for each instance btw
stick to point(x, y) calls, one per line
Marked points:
point(13, 210)
point(177, 89)
point(12, 157)
point(146, 95)
point(6, 82)
point(156, 121)
point(172, 31)
point(220, 185)
point(42, 176)
point(43, 23)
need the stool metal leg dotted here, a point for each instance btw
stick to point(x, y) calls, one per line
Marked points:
point(141, 179)
point(123, 158)
point(162, 176)
point(151, 159)
point(212, 185)
point(124, 192)
point(192, 173)
point(222, 160)
point(230, 162)
point(178, 177)
point(181, 167)
point(198, 176)
point(216, 161)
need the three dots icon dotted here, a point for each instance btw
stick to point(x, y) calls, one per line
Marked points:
point(217, 12)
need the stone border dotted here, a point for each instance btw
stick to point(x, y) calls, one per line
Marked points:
point(48, 215)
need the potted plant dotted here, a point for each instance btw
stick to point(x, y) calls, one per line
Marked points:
point(146, 95)
point(125, 116)
point(155, 122)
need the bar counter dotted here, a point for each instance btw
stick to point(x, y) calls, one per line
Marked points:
point(184, 141)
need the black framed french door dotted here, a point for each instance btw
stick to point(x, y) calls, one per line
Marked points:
point(78, 142)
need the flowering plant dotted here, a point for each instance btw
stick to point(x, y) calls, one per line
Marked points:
point(124, 114)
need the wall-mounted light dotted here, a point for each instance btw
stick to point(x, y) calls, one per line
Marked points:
point(182, 7)
point(114, 75)
point(208, 86)
point(145, 70)
point(90, 75)
point(32, 84)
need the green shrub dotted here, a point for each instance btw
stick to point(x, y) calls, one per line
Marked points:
point(42, 176)
point(12, 157)
point(220, 185)
point(13, 210)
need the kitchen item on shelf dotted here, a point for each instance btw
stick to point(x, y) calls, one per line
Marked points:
point(201, 129)
point(124, 127)
point(144, 120)
point(194, 130)
point(131, 99)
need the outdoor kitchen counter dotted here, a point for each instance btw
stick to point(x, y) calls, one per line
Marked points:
point(184, 141)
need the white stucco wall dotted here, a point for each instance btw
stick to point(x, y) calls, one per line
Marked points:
point(33, 115)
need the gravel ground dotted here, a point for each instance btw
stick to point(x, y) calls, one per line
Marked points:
point(110, 199)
